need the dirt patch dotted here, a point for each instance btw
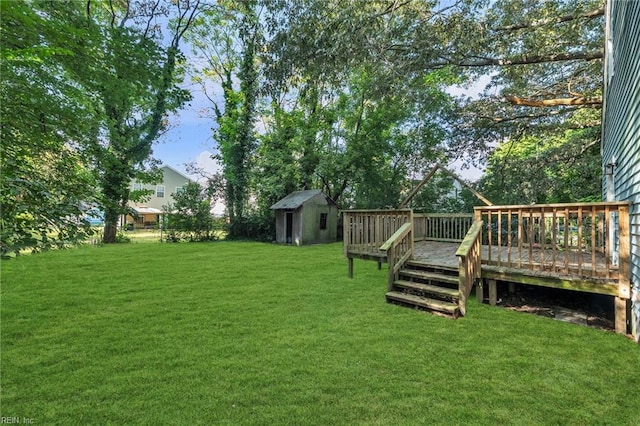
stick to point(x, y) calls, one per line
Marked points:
point(592, 310)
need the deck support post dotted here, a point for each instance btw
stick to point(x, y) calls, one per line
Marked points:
point(379, 266)
point(621, 308)
point(350, 259)
point(512, 288)
point(493, 292)
point(480, 290)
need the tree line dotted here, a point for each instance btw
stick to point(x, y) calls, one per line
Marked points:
point(349, 97)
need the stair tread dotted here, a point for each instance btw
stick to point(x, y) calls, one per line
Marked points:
point(434, 276)
point(423, 264)
point(425, 302)
point(428, 288)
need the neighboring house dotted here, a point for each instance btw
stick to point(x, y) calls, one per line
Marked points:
point(621, 125)
point(149, 212)
point(306, 217)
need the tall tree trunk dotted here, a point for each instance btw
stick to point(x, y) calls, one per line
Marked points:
point(110, 226)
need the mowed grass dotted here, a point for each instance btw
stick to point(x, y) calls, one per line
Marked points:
point(247, 333)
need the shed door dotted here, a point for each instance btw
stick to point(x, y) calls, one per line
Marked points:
point(289, 227)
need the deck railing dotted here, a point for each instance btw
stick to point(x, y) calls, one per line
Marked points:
point(441, 227)
point(469, 263)
point(587, 239)
point(399, 249)
point(366, 230)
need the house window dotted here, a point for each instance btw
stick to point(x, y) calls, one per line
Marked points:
point(323, 221)
point(137, 186)
point(179, 190)
point(160, 191)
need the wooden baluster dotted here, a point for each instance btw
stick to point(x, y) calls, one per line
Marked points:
point(566, 240)
point(543, 237)
point(520, 236)
point(624, 271)
point(499, 218)
point(554, 228)
point(580, 240)
point(594, 270)
point(410, 236)
point(509, 238)
point(531, 239)
point(489, 234)
point(608, 241)
point(346, 235)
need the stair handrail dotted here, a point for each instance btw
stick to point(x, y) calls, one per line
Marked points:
point(469, 263)
point(399, 248)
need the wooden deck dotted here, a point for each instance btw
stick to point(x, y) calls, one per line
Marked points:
point(580, 247)
point(444, 253)
point(440, 253)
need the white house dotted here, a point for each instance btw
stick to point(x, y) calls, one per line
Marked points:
point(149, 211)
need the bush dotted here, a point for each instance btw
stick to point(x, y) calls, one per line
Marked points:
point(190, 219)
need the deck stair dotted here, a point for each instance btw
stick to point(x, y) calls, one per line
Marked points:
point(421, 285)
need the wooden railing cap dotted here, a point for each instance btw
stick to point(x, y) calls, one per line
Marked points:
point(558, 205)
point(397, 236)
point(469, 239)
point(377, 211)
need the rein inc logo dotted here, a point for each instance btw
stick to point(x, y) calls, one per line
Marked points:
point(16, 420)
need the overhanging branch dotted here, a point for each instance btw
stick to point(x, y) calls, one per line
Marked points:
point(542, 22)
point(575, 101)
point(524, 59)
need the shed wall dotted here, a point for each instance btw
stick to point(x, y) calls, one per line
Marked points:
point(312, 210)
point(296, 228)
point(280, 226)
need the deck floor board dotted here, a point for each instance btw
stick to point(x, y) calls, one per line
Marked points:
point(443, 253)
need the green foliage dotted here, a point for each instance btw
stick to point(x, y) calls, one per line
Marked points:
point(232, 34)
point(443, 195)
point(189, 218)
point(88, 88)
point(532, 32)
point(122, 238)
point(46, 120)
point(551, 170)
point(347, 97)
point(519, 45)
point(134, 80)
point(357, 142)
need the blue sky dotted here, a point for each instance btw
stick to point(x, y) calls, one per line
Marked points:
point(189, 138)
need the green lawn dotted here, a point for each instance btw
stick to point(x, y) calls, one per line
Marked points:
point(247, 333)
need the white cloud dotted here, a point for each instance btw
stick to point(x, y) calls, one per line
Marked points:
point(211, 166)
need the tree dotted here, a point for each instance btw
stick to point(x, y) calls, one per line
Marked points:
point(552, 61)
point(133, 79)
point(103, 84)
point(552, 170)
point(231, 54)
point(46, 119)
point(189, 218)
point(546, 73)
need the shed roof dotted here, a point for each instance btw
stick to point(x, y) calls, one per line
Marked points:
point(298, 198)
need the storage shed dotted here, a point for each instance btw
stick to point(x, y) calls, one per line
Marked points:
point(306, 217)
